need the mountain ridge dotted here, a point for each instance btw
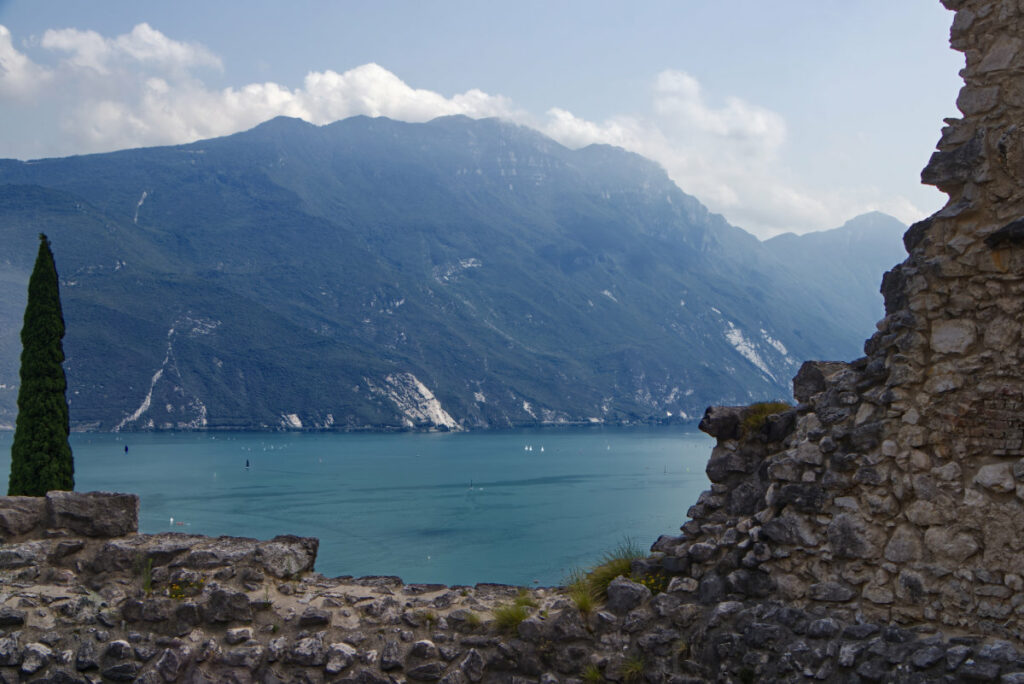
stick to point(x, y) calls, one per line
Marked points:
point(373, 273)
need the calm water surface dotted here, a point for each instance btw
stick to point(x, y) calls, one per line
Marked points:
point(518, 507)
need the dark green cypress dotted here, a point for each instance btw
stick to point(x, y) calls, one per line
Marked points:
point(41, 455)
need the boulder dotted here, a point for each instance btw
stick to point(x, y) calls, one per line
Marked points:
point(35, 657)
point(390, 658)
point(227, 606)
point(996, 477)
point(831, 591)
point(315, 617)
point(949, 544)
point(812, 378)
point(10, 650)
point(849, 537)
point(309, 651)
point(472, 666)
point(23, 555)
point(286, 556)
point(339, 657)
point(624, 595)
point(11, 617)
point(21, 514)
point(722, 422)
point(248, 657)
point(93, 514)
point(428, 672)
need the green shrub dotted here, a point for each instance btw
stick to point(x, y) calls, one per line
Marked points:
point(756, 414)
point(592, 674)
point(508, 617)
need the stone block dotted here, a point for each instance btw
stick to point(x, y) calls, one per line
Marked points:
point(308, 651)
point(21, 514)
point(624, 595)
point(904, 546)
point(93, 514)
point(973, 100)
point(339, 657)
point(832, 592)
point(950, 545)
point(952, 336)
point(722, 422)
point(1001, 55)
point(286, 556)
point(996, 477)
point(806, 497)
point(850, 537)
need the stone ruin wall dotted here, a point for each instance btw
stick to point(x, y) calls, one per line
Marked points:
point(874, 532)
point(895, 489)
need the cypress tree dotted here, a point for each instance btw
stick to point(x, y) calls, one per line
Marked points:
point(41, 455)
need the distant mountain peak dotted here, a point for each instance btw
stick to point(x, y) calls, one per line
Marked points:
point(372, 273)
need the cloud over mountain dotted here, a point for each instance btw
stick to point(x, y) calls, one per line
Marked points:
point(144, 88)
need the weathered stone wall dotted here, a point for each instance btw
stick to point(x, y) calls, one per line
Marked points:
point(893, 491)
point(77, 605)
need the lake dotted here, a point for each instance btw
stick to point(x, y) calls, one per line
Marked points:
point(518, 507)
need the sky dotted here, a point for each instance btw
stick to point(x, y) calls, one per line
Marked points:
point(793, 115)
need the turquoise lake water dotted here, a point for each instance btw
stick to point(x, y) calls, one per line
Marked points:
point(519, 507)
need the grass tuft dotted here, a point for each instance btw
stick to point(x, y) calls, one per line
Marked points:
point(616, 563)
point(508, 617)
point(587, 588)
point(633, 669)
point(426, 615)
point(756, 414)
point(524, 599)
point(580, 591)
point(592, 674)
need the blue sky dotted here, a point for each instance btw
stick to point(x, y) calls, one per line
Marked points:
point(792, 115)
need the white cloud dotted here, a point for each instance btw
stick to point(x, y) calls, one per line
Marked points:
point(20, 77)
point(678, 100)
point(144, 45)
point(144, 88)
point(163, 111)
point(374, 91)
point(730, 157)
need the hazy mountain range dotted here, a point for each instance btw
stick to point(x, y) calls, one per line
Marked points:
point(457, 273)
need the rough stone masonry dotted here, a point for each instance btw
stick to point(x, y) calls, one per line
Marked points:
point(874, 532)
point(895, 489)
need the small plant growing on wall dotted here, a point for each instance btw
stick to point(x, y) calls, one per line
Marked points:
point(756, 415)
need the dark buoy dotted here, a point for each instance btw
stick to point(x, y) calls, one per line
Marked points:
point(246, 464)
point(126, 448)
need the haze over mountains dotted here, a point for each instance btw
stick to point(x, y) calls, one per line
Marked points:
point(375, 274)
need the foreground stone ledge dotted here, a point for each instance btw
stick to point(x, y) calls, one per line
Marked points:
point(178, 607)
point(91, 514)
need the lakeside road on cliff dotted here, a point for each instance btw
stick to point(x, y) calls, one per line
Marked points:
point(519, 507)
